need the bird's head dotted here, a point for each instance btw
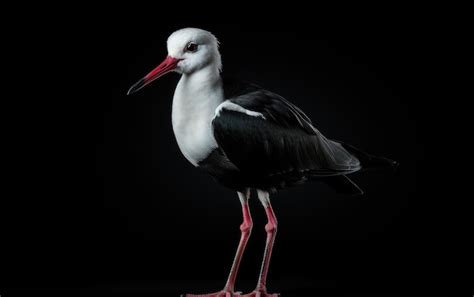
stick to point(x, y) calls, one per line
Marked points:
point(189, 50)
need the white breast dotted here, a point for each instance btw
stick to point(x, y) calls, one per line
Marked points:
point(194, 105)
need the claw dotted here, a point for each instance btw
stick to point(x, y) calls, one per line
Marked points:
point(260, 293)
point(217, 294)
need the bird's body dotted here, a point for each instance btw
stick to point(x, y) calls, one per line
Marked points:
point(247, 137)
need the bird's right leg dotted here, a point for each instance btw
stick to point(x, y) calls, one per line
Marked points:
point(245, 229)
point(271, 228)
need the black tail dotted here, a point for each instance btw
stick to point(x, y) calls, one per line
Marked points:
point(370, 161)
point(343, 185)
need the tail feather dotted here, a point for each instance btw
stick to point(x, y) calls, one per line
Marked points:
point(369, 161)
point(343, 185)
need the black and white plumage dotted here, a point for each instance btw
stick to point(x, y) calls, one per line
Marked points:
point(277, 146)
point(247, 137)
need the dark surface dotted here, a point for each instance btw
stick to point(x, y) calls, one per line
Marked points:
point(105, 204)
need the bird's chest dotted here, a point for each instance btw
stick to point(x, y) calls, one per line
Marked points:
point(192, 124)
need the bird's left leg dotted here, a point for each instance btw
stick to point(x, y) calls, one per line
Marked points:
point(271, 228)
point(245, 229)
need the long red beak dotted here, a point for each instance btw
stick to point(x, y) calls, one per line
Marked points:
point(166, 66)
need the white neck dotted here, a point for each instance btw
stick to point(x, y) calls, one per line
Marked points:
point(194, 103)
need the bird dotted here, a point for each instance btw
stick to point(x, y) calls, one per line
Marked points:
point(248, 139)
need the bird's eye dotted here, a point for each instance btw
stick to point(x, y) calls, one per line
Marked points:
point(191, 47)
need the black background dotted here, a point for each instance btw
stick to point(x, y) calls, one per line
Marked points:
point(106, 205)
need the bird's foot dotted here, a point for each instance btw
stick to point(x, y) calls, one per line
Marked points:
point(261, 293)
point(217, 294)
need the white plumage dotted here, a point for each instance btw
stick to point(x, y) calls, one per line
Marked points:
point(198, 94)
point(227, 105)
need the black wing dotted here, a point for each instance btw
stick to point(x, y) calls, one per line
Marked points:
point(284, 148)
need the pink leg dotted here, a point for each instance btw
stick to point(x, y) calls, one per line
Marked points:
point(245, 229)
point(271, 228)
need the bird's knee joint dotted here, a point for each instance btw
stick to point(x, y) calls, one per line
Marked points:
point(271, 227)
point(246, 227)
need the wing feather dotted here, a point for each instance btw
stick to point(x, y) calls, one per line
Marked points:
point(282, 148)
